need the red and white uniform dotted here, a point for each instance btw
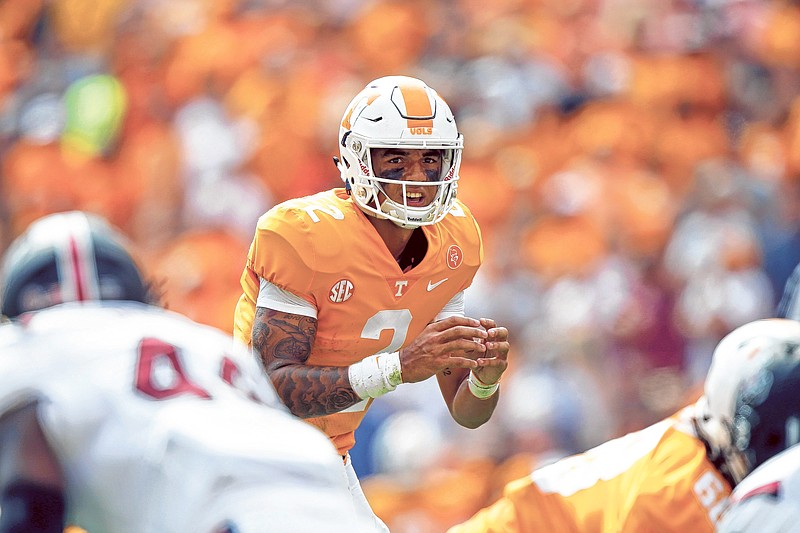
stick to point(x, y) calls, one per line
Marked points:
point(323, 250)
point(768, 499)
point(161, 424)
point(657, 479)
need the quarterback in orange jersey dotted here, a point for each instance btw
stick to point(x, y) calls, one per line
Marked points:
point(676, 475)
point(350, 292)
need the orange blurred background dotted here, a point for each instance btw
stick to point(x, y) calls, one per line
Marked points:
point(634, 166)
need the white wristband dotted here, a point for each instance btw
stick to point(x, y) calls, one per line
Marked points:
point(480, 389)
point(375, 375)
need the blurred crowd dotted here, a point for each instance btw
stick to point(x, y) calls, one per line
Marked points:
point(634, 166)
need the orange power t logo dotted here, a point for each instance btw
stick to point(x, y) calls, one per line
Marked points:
point(417, 105)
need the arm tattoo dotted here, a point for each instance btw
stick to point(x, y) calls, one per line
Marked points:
point(295, 340)
point(284, 342)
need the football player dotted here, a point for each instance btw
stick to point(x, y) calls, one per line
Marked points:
point(116, 415)
point(677, 474)
point(350, 292)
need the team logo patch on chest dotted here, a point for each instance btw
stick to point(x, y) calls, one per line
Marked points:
point(400, 287)
point(454, 256)
point(341, 291)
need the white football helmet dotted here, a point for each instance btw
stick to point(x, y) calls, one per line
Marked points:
point(68, 257)
point(745, 403)
point(398, 112)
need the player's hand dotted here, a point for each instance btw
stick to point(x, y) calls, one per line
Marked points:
point(455, 342)
point(494, 361)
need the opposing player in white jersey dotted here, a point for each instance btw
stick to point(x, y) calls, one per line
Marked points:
point(119, 416)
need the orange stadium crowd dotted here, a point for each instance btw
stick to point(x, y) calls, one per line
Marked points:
point(634, 166)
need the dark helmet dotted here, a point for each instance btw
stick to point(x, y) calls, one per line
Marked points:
point(766, 419)
point(65, 257)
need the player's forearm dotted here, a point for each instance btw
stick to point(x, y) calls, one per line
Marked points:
point(283, 341)
point(471, 411)
point(310, 391)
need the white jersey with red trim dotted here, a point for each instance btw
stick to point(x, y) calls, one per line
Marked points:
point(164, 425)
point(768, 499)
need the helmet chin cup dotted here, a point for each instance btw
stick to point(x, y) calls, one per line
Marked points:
point(407, 217)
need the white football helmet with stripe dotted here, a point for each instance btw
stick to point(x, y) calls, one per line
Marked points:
point(67, 257)
point(398, 112)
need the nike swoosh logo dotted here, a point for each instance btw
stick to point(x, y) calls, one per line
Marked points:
point(432, 286)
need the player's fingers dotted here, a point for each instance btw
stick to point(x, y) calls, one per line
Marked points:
point(462, 362)
point(455, 321)
point(498, 350)
point(497, 333)
point(464, 332)
point(491, 362)
point(464, 345)
point(488, 323)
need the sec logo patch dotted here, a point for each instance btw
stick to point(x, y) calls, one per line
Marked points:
point(341, 291)
point(454, 256)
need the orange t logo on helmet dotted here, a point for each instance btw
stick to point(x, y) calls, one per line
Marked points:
point(418, 109)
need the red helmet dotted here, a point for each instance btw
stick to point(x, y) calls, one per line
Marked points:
point(68, 257)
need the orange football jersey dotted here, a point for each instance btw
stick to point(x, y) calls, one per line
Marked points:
point(323, 249)
point(654, 480)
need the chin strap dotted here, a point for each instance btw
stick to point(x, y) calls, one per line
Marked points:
point(339, 166)
point(388, 209)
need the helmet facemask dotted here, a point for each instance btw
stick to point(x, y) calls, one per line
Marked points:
point(719, 437)
point(380, 117)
